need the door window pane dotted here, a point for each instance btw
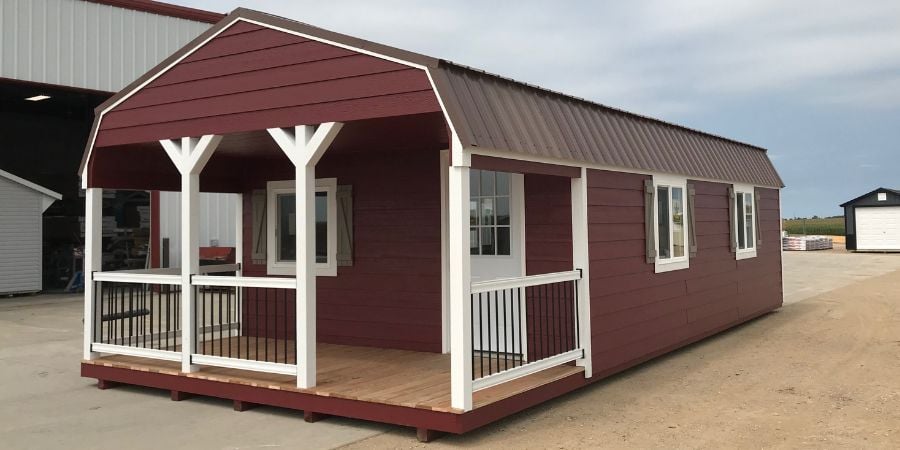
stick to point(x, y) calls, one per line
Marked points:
point(487, 211)
point(662, 196)
point(487, 241)
point(487, 183)
point(473, 241)
point(502, 183)
point(677, 222)
point(503, 241)
point(502, 210)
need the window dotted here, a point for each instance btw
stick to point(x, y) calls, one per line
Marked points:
point(489, 213)
point(671, 229)
point(282, 227)
point(744, 221)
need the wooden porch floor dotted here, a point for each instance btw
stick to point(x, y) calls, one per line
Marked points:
point(392, 377)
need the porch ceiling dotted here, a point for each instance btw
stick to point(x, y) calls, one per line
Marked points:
point(145, 166)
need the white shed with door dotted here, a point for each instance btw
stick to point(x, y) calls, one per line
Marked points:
point(878, 228)
point(22, 204)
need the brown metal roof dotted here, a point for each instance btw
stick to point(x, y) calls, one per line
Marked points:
point(494, 112)
point(165, 9)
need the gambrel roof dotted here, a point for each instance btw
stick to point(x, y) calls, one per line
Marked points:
point(488, 111)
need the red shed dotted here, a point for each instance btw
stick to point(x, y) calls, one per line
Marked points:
point(420, 243)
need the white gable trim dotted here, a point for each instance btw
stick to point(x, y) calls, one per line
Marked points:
point(49, 196)
point(266, 25)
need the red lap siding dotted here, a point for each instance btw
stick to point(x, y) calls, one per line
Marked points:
point(636, 313)
point(255, 78)
point(391, 296)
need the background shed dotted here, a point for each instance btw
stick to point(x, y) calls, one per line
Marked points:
point(23, 203)
point(872, 221)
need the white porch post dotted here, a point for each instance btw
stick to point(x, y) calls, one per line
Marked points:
point(93, 256)
point(304, 145)
point(239, 259)
point(460, 280)
point(189, 155)
point(581, 260)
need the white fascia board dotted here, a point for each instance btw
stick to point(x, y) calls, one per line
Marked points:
point(507, 154)
point(36, 187)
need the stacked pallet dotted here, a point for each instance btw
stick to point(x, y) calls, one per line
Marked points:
point(804, 243)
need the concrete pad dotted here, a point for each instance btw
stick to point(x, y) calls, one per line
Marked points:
point(808, 274)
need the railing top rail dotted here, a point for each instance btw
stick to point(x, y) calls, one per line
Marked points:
point(260, 282)
point(137, 277)
point(213, 268)
point(522, 282)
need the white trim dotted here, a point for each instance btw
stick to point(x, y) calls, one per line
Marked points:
point(527, 369)
point(460, 285)
point(244, 364)
point(93, 258)
point(131, 277)
point(581, 260)
point(744, 253)
point(257, 282)
point(575, 163)
point(30, 185)
point(275, 188)
point(522, 282)
point(674, 262)
point(445, 256)
point(153, 353)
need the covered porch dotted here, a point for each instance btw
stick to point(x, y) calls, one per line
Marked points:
point(382, 271)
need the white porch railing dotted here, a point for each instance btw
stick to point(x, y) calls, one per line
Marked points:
point(245, 323)
point(137, 313)
point(523, 325)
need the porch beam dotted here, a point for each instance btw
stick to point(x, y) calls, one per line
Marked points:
point(581, 261)
point(460, 280)
point(190, 155)
point(93, 252)
point(304, 145)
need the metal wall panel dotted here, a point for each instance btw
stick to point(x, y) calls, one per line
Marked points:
point(217, 221)
point(84, 44)
point(20, 238)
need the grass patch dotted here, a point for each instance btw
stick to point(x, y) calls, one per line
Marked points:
point(830, 226)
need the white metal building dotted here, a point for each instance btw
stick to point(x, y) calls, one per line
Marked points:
point(59, 59)
point(21, 205)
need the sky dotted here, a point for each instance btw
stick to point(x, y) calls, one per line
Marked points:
point(817, 83)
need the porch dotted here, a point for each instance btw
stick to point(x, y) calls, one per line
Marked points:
point(376, 375)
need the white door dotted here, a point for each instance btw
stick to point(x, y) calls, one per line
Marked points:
point(878, 228)
point(497, 236)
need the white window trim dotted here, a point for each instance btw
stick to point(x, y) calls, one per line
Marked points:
point(674, 263)
point(745, 253)
point(275, 188)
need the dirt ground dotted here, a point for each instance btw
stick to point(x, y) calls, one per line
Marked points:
point(820, 373)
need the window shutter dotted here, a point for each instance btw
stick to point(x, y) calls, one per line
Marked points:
point(731, 219)
point(345, 225)
point(692, 222)
point(258, 206)
point(756, 216)
point(649, 205)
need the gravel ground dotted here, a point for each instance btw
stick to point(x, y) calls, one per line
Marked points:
point(819, 373)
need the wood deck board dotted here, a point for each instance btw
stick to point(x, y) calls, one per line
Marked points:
point(393, 377)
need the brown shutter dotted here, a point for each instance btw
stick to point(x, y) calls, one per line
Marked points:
point(692, 222)
point(731, 219)
point(258, 206)
point(756, 216)
point(649, 206)
point(345, 225)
